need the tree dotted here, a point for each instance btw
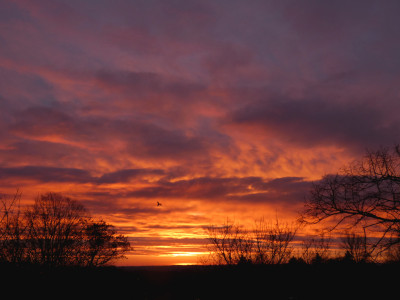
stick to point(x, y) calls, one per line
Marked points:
point(316, 249)
point(365, 194)
point(12, 229)
point(229, 244)
point(58, 231)
point(272, 241)
point(356, 246)
point(54, 229)
point(268, 243)
point(393, 254)
point(103, 244)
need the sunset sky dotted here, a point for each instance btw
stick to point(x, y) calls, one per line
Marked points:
point(217, 109)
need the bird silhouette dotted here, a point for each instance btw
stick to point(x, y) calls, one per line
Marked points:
point(158, 203)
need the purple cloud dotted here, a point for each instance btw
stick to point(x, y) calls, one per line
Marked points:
point(126, 175)
point(317, 122)
point(46, 174)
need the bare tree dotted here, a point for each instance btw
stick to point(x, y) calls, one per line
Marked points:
point(55, 223)
point(268, 243)
point(316, 248)
point(56, 231)
point(229, 244)
point(393, 254)
point(357, 246)
point(272, 241)
point(12, 229)
point(365, 194)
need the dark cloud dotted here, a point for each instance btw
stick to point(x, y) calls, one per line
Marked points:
point(157, 142)
point(177, 227)
point(123, 207)
point(319, 122)
point(43, 152)
point(126, 175)
point(245, 190)
point(56, 174)
point(199, 188)
point(44, 121)
point(285, 191)
point(149, 241)
point(142, 85)
point(46, 174)
point(140, 137)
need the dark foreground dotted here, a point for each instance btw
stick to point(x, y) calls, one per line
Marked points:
point(292, 281)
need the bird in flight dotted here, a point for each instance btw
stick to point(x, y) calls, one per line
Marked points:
point(158, 203)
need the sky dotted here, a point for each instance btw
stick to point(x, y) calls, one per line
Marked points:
point(216, 109)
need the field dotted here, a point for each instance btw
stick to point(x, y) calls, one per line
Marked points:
point(290, 281)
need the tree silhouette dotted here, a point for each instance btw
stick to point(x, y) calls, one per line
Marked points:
point(54, 229)
point(12, 229)
point(316, 248)
point(103, 244)
point(356, 246)
point(267, 243)
point(365, 194)
point(57, 231)
point(272, 241)
point(229, 244)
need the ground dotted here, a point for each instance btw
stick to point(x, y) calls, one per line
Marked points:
point(292, 281)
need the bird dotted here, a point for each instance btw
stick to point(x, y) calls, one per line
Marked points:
point(158, 203)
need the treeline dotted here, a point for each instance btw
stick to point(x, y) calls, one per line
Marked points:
point(231, 244)
point(271, 243)
point(360, 206)
point(55, 231)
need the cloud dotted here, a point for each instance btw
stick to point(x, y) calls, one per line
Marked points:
point(44, 121)
point(143, 85)
point(169, 241)
point(245, 190)
point(123, 176)
point(46, 174)
point(26, 151)
point(136, 137)
point(279, 191)
point(198, 188)
point(57, 174)
point(210, 189)
point(314, 122)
